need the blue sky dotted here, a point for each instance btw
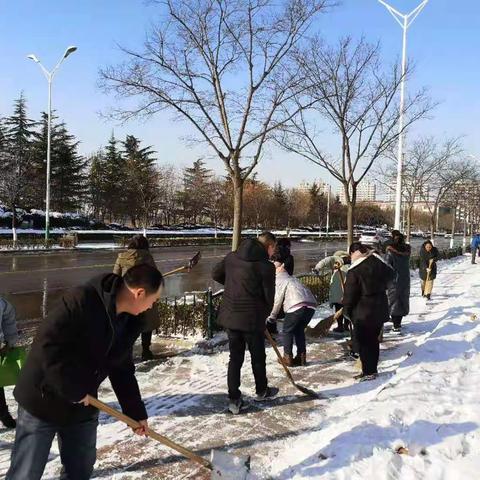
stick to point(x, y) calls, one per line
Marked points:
point(444, 42)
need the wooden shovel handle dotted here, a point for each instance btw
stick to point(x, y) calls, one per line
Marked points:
point(177, 270)
point(430, 263)
point(150, 433)
point(279, 355)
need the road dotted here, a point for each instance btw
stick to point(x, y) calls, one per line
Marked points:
point(32, 282)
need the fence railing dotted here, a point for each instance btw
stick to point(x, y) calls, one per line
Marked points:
point(195, 313)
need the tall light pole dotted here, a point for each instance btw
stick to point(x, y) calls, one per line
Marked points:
point(404, 21)
point(49, 76)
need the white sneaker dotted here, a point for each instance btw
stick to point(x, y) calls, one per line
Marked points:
point(234, 406)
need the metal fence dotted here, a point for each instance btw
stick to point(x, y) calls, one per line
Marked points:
point(195, 313)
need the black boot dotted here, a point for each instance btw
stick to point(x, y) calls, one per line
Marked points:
point(7, 419)
point(147, 354)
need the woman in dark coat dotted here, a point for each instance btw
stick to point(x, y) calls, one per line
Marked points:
point(428, 267)
point(365, 303)
point(398, 293)
point(138, 252)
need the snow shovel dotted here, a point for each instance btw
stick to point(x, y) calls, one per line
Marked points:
point(303, 389)
point(323, 326)
point(192, 262)
point(222, 465)
point(430, 263)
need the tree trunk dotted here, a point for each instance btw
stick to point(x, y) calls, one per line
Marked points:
point(351, 202)
point(237, 211)
point(409, 222)
point(432, 227)
point(14, 224)
point(350, 222)
point(454, 218)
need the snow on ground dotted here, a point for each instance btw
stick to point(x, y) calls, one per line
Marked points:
point(425, 400)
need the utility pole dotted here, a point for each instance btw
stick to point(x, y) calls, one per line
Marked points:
point(404, 21)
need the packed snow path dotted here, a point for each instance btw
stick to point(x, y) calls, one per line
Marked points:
point(425, 400)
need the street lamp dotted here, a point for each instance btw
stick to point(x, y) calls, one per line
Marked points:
point(404, 21)
point(49, 76)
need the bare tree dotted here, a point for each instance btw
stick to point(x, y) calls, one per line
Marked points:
point(452, 173)
point(225, 67)
point(421, 163)
point(355, 96)
point(214, 201)
point(169, 185)
point(459, 199)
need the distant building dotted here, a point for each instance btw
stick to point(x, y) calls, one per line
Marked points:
point(422, 195)
point(366, 192)
point(322, 186)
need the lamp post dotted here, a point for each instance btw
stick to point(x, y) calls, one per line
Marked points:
point(49, 76)
point(404, 21)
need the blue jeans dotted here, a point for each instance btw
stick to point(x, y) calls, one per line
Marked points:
point(33, 439)
point(294, 326)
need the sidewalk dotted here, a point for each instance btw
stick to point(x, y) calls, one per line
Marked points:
point(353, 433)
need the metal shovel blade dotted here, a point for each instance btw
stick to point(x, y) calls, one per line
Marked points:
point(226, 466)
point(194, 260)
point(307, 391)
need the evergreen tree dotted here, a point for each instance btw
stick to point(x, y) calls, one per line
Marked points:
point(38, 180)
point(97, 181)
point(16, 136)
point(279, 208)
point(141, 177)
point(68, 175)
point(115, 184)
point(18, 129)
point(196, 191)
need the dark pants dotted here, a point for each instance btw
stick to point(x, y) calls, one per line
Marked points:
point(146, 340)
point(474, 254)
point(3, 401)
point(353, 337)
point(33, 439)
point(397, 321)
point(367, 337)
point(237, 342)
point(294, 326)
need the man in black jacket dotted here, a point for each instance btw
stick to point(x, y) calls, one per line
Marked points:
point(89, 336)
point(365, 303)
point(249, 279)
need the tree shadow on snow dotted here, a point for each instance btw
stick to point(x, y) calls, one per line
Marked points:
point(361, 442)
point(197, 405)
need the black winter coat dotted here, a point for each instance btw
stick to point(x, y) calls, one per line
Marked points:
point(249, 280)
point(425, 258)
point(398, 292)
point(81, 342)
point(365, 299)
